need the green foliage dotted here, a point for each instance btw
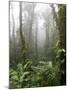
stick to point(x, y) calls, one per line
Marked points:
point(34, 65)
point(47, 75)
point(44, 73)
point(19, 76)
point(33, 76)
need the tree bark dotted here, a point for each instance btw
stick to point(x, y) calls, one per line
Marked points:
point(21, 34)
point(61, 24)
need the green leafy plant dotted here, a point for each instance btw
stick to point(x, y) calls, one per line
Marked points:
point(20, 75)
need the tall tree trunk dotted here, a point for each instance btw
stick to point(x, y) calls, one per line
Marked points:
point(13, 35)
point(62, 32)
point(36, 41)
point(21, 34)
point(47, 38)
point(30, 30)
point(61, 24)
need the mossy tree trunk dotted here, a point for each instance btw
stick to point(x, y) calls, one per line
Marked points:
point(60, 19)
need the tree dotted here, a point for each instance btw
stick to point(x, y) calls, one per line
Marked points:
point(21, 34)
point(30, 9)
point(12, 40)
point(36, 39)
point(60, 19)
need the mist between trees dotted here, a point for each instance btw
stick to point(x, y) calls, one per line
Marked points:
point(37, 44)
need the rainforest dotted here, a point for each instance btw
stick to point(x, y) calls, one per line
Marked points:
point(37, 44)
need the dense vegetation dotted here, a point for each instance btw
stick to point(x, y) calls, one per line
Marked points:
point(37, 59)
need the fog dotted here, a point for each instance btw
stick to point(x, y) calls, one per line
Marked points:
point(39, 11)
point(37, 44)
point(38, 26)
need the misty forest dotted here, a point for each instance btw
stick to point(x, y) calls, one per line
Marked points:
point(37, 44)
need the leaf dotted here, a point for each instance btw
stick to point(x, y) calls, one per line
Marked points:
point(42, 62)
point(26, 65)
point(23, 76)
point(61, 50)
point(19, 66)
point(57, 43)
point(26, 73)
point(15, 77)
point(13, 72)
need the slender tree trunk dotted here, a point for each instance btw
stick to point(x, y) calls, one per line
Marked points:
point(30, 30)
point(13, 35)
point(47, 38)
point(21, 34)
point(36, 41)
